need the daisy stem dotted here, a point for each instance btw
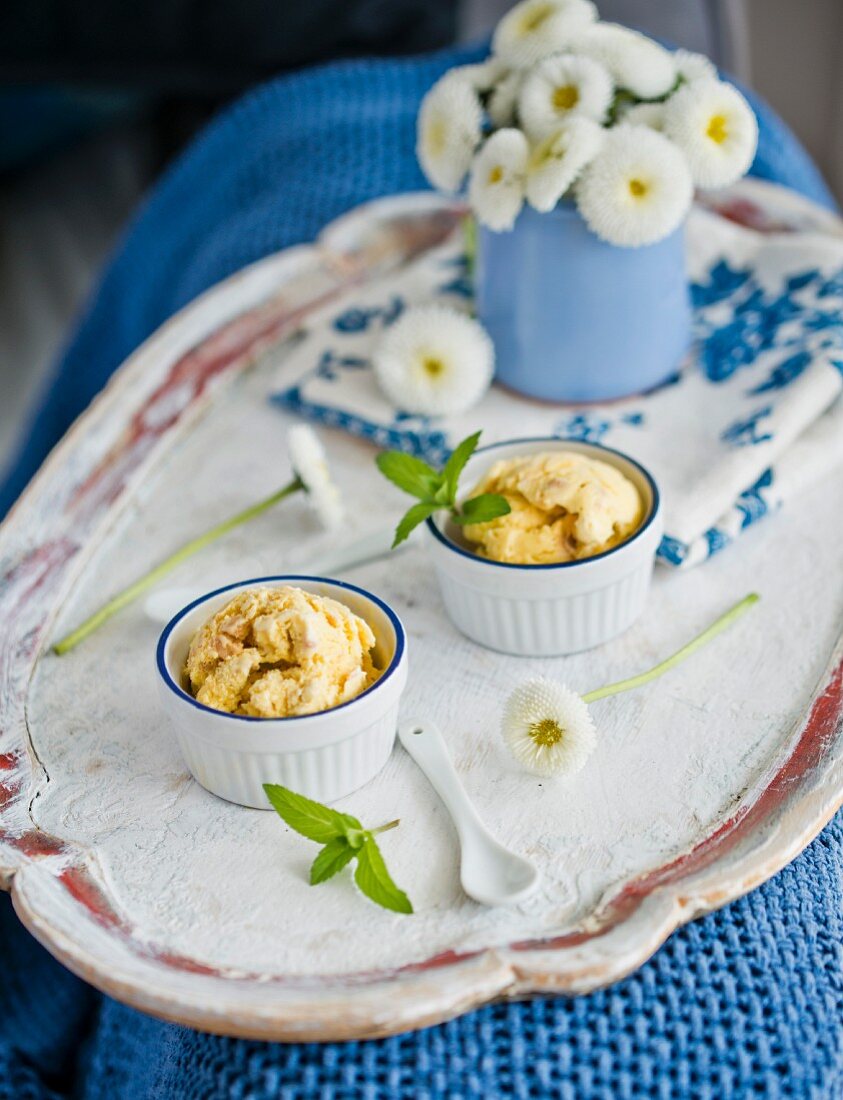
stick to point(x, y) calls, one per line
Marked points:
point(469, 236)
point(712, 631)
point(128, 595)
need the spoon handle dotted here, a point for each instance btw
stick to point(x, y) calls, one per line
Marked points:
point(424, 742)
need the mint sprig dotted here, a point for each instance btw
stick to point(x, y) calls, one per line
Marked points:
point(344, 839)
point(437, 490)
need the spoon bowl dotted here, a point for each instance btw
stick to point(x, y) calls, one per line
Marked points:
point(489, 872)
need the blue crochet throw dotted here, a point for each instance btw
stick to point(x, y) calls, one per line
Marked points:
point(747, 1002)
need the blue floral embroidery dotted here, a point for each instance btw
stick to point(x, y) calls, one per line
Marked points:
point(358, 319)
point(331, 364)
point(461, 283)
point(672, 550)
point(745, 433)
point(751, 503)
point(784, 373)
point(832, 287)
point(635, 419)
point(583, 427)
point(723, 282)
point(716, 540)
point(760, 320)
point(430, 445)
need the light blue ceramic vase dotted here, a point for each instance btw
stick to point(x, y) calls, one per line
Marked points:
point(576, 319)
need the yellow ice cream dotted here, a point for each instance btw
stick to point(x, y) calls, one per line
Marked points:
point(278, 652)
point(565, 506)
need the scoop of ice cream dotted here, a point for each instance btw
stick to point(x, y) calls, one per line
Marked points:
point(564, 506)
point(278, 652)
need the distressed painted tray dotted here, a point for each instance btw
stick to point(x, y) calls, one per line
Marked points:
point(703, 785)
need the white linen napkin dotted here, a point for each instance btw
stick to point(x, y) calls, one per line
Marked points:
point(752, 418)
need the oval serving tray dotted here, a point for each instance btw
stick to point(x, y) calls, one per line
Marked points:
point(199, 911)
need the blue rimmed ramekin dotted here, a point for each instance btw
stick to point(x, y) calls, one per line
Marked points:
point(324, 756)
point(547, 610)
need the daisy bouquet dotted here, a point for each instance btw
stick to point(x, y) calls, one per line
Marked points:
point(571, 108)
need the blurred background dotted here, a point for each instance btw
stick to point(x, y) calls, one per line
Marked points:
point(97, 96)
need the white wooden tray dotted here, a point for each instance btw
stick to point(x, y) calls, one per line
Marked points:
point(703, 785)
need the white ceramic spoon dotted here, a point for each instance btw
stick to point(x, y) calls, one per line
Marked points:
point(489, 873)
point(162, 604)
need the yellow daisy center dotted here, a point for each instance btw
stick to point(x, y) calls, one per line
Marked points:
point(565, 97)
point(432, 366)
point(551, 148)
point(717, 130)
point(436, 135)
point(496, 174)
point(637, 188)
point(546, 732)
point(534, 18)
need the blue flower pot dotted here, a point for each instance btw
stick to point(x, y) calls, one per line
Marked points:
point(576, 319)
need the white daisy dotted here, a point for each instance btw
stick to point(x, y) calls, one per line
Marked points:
point(693, 66)
point(645, 114)
point(715, 128)
point(449, 130)
point(484, 75)
point(434, 361)
point(561, 87)
point(503, 99)
point(548, 728)
point(308, 459)
point(498, 173)
point(637, 189)
point(535, 29)
point(637, 63)
point(556, 162)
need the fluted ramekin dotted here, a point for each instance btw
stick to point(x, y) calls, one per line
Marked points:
point(547, 610)
point(324, 756)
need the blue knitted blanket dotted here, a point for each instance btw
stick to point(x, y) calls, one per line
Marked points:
point(745, 1003)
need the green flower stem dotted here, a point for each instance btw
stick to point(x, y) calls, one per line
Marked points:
point(122, 599)
point(716, 628)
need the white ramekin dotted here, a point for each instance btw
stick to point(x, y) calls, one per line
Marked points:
point(546, 610)
point(324, 756)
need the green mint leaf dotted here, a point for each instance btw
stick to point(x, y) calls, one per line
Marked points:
point(333, 857)
point(311, 819)
point(374, 880)
point(456, 463)
point(416, 515)
point(355, 838)
point(482, 509)
point(409, 473)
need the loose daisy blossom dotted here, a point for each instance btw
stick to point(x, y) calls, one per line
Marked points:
point(535, 29)
point(638, 188)
point(308, 459)
point(310, 475)
point(449, 130)
point(557, 161)
point(637, 63)
point(548, 727)
point(715, 128)
point(560, 88)
point(498, 175)
point(434, 361)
